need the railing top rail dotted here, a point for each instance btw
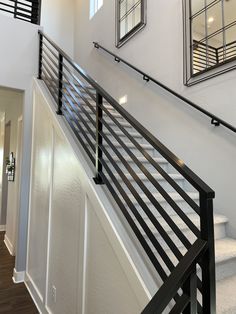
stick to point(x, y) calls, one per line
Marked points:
point(177, 278)
point(178, 164)
point(215, 120)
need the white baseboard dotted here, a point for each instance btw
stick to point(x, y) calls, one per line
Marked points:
point(2, 228)
point(18, 276)
point(9, 245)
point(35, 294)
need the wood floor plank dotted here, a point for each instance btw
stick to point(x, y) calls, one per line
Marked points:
point(14, 298)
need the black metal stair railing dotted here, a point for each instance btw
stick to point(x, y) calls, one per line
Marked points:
point(118, 147)
point(215, 120)
point(26, 10)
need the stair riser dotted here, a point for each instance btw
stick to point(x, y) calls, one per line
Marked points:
point(121, 151)
point(226, 269)
point(220, 233)
point(114, 126)
point(90, 111)
point(167, 187)
point(147, 165)
point(184, 208)
point(137, 153)
point(123, 138)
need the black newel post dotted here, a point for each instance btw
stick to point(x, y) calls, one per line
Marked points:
point(190, 289)
point(40, 56)
point(60, 84)
point(15, 9)
point(99, 100)
point(208, 260)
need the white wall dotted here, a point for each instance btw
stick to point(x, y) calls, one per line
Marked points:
point(11, 103)
point(158, 51)
point(57, 19)
point(73, 243)
point(18, 64)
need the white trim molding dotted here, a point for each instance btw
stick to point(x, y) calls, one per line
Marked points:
point(8, 245)
point(35, 295)
point(18, 276)
point(2, 228)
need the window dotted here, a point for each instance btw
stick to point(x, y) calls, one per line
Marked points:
point(130, 18)
point(95, 5)
point(210, 38)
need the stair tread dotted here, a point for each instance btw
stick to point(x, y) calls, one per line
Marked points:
point(143, 159)
point(120, 133)
point(173, 195)
point(131, 145)
point(157, 176)
point(218, 219)
point(225, 296)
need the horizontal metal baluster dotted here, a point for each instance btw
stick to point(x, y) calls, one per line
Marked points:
point(80, 94)
point(92, 145)
point(81, 123)
point(50, 57)
point(51, 88)
point(154, 164)
point(149, 214)
point(181, 304)
point(131, 222)
point(166, 196)
point(150, 196)
point(79, 109)
point(77, 134)
point(49, 65)
point(52, 76)
point(50, 49)
point(81, 84)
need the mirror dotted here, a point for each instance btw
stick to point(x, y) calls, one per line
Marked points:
point(130, 18)
point(213, 33)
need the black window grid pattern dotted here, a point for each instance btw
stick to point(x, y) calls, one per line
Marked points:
point(204, 55)
point(130, 18)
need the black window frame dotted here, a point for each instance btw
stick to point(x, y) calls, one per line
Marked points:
point(120, 41)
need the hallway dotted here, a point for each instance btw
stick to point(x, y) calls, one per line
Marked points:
point(13, 298)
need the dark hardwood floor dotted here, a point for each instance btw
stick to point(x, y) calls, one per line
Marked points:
point(14, 298)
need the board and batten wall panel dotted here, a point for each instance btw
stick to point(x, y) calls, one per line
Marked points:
point(104, 278)
point(39, 199)
point(63, 251)
point(76, 261)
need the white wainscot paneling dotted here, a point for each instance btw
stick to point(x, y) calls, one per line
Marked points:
point(39, 206)
point(63, 278)
point(107, 289)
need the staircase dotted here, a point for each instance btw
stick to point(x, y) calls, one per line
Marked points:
point(225, 247)
point(167, 207)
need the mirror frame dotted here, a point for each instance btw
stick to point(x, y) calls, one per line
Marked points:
point(120, 41)
point(190, 78)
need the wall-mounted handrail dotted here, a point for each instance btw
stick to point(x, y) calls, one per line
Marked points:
point(214, 119)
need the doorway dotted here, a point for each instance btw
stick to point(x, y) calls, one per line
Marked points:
point(6, 153)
